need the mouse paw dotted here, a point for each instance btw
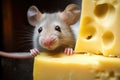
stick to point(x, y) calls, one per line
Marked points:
point(34, 52)
point(69, 51)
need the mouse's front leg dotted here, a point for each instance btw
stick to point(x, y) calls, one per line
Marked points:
point(34, 52)
point(69, 51)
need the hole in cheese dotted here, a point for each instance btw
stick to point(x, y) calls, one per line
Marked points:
point(105, 13)
point(105, 9)
point(101, 10)
point(88, 32)
point(87, 20)
point(108, 38)
point(89, 37)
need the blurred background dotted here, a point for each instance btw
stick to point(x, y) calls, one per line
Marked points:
point(15, 34)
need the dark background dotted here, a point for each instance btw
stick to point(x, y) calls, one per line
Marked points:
point(19, 39)
point(1, 39)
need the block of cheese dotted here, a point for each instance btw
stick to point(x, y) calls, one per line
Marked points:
point(76, 67)
point(99, 31)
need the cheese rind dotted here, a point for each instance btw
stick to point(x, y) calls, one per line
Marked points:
point(99, 27)
point(76, 67)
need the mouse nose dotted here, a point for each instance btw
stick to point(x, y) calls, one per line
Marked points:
point(48, 42)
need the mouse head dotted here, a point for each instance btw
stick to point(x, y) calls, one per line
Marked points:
point(53, 30)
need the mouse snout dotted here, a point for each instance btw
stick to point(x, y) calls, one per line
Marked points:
point(49, 42)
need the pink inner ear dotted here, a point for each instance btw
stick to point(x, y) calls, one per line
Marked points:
point(64, 16)
point(67, 17)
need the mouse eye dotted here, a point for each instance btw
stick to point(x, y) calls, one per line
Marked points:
point(40, 29)
point(58, 28)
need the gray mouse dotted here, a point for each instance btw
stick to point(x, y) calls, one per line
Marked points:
point(53, 31)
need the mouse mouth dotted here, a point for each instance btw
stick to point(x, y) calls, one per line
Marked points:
point(51, 47)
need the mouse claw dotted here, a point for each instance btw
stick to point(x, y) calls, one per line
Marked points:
point(69, 51)
point(34, 52)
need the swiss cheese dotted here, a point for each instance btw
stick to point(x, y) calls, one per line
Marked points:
point(99, 31)
point(76, 67)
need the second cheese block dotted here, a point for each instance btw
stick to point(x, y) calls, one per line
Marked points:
point(76, 67)
point(99, 27)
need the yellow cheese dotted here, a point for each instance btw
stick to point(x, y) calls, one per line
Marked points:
point(99, 27)
point(76, 67)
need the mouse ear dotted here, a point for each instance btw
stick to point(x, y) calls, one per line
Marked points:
point(33, 15)
point(71, 14)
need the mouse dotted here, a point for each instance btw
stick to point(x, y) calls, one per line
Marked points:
point(52, 32)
